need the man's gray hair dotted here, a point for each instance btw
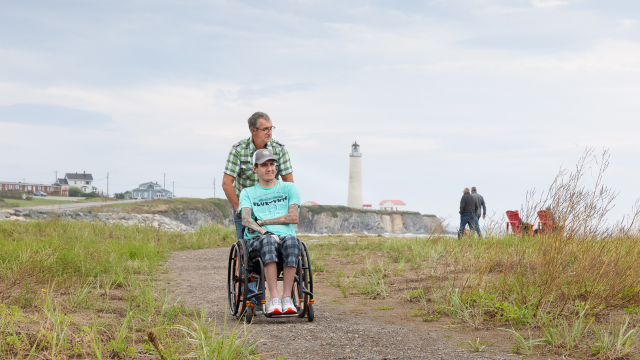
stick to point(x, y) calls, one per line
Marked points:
point(473, 188)
point(254, 120)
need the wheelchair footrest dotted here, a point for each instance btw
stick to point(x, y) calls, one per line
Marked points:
point(282, 315)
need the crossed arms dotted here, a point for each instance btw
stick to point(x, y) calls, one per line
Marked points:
point(253, 226)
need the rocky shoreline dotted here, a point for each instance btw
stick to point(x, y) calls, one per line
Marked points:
point(316, 220)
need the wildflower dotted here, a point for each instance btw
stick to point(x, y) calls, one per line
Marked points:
point(43, 290)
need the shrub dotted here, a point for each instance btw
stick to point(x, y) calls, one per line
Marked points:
point(90, 195)
point(75, 191)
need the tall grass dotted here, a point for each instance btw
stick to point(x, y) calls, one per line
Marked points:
point(55, 276)
point(71, 252)
point(556, 284)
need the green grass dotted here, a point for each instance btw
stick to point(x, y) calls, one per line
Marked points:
point(561, 289)
point(35, 202)
point(82, 290)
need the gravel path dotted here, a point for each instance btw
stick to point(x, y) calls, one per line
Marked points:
point(199, 278)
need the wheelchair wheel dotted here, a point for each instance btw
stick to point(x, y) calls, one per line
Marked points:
point(248, 316)
point(246, 311)
point(234, 280)
point(307, 282)
point(310, 315)
point(238, 280)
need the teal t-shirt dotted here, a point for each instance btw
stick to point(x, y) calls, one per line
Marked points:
point(270, 203)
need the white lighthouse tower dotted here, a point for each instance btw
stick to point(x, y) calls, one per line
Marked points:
point(355, 177)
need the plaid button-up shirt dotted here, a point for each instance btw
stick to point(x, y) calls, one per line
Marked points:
point(240, 167)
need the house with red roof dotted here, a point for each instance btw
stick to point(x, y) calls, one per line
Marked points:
point(393, 205)
point(310, 203)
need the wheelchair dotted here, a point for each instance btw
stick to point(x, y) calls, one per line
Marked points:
point(245, 268)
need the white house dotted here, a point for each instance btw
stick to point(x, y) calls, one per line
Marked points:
point(151, 190)
point(83, 181)
point(394, 205)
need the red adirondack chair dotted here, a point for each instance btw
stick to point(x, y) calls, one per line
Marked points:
point(546, 224)
point(516, 224)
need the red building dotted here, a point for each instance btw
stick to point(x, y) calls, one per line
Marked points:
point(30, 188)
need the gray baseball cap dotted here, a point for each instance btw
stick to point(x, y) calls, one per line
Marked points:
point(261, 156)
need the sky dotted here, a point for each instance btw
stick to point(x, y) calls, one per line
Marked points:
point(440, 95)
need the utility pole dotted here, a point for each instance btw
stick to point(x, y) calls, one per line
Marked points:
point(164, 183)
point(56, 176)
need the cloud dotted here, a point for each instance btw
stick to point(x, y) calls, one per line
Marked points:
point(52, 115)
point(439, 93)
point(268, 91)
point(525, 42)
point(547, 4)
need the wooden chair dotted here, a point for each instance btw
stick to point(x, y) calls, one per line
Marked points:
point(546, 223)
point(517, 226)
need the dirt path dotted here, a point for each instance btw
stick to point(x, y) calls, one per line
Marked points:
point(199, 278)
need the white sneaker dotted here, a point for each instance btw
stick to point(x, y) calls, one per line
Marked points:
point(288, 307)
point(275, 307)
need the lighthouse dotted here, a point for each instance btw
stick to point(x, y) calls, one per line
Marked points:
point(354, 199)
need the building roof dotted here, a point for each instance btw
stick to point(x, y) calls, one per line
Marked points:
point(366, 205)
point(394, 202)
point(77, 176)
point(158, 190)
point(63, 182)
point(311, 202)
point(150, 182)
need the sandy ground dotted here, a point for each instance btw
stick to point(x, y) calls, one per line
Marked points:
point(199, 278)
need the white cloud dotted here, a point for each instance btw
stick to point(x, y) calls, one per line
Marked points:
point(547, 3)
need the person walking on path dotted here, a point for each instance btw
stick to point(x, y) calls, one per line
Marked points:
point(468, 209)
point(481, 206)
point(239, 173)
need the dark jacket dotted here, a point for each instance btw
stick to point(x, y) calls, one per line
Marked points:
point(481, 204)
point(468, 204)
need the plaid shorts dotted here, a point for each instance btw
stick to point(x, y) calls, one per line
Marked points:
point(288, 249)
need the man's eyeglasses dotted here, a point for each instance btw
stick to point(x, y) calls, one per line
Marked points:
point(267, 129)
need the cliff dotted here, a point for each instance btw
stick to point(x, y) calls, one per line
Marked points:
point(190, 212)
point(344, 220)
point(318, 220)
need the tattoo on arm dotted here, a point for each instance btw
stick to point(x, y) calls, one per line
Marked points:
point(249, 222)
point(290, 218)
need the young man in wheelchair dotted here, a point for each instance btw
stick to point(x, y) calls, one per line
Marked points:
point(274, 206)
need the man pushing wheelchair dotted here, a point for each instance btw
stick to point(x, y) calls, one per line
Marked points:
point(269, 214)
